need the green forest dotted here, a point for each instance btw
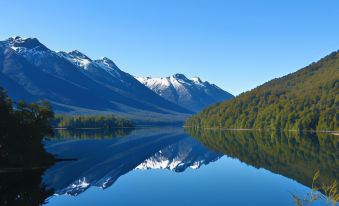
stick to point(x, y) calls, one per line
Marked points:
point(90, 121)
point(22, 128)
point(305, 100)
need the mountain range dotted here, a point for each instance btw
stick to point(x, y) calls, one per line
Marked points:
point(307, 99)
point(192, 94)
point(74, 83)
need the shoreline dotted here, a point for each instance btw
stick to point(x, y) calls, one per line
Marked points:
point(90, 128)
point(98, 128)
point(334, 132)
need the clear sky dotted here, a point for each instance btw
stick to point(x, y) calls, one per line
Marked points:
point(237, 44)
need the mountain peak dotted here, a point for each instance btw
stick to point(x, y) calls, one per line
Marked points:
point(77, 58)
point(180, 76)
point(192, 94)
point(17, 38)
point(28, 43)
point(106, 59)
point(78, 54)
point(108, 62)
point(196, 79)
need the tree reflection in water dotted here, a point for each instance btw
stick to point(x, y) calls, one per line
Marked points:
point(23, 188)
point(294, 155)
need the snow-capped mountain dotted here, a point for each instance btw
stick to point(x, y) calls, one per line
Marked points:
point(73, 82)
point(193, 94)
point(77, 58)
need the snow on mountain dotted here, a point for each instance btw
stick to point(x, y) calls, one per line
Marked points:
point(110, 71)
point(84, 62)
point(29, 48)
point(68, 78)
point(76, 57)
point(20, 44)
point(193, 94)
point(109, 66)
point(73, 82)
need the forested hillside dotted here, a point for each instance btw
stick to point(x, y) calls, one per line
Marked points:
point(305, 100)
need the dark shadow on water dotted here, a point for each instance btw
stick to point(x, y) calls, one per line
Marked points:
point(23, 188)
point(23, 161)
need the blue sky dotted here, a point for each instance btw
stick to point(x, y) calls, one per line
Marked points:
point(237, 44)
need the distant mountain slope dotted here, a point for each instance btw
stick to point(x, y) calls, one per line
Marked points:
point(305, 100)
point(193, 94)
point(75, 83)
point(108, 75)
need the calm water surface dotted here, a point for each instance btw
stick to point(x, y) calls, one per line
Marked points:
point(168, 166)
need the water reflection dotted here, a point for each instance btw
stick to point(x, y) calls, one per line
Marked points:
point(101, 162)
point(294, 155)
point(90, 133)
point(23, 188)
point(99, 158)
point(23, 160)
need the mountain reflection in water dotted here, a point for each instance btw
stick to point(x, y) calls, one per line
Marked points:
point(101, 162)
point(99, 158)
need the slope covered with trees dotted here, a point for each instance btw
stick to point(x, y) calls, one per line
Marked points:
point(305, 100)
point(22, 128)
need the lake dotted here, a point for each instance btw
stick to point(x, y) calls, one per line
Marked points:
point(174, 166)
